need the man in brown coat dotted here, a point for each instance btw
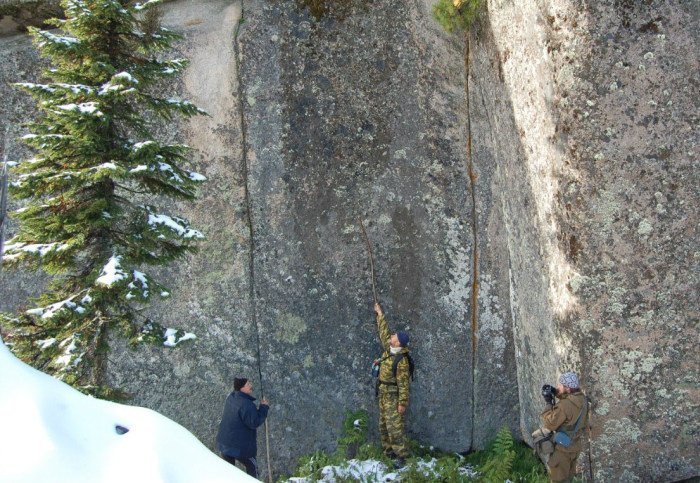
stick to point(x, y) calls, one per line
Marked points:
point(568, 415)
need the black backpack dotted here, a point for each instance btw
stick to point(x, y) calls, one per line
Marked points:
point(397, 359)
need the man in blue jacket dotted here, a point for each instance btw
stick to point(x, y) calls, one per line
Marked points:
point(237, 432)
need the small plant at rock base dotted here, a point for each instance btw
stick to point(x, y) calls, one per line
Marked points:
point(455, 14)
point(500, 463)
point(369, 451)
point(310, 465)
point(354, 432)
point(503, 460)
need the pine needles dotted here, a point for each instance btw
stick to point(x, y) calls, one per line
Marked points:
point(85, 219)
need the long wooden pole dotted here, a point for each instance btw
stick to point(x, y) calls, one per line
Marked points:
point(371, 261)
point(3, 205)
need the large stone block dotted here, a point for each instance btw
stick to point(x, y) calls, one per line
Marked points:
point(594, 109)
point(531, 210)
point(357, 115)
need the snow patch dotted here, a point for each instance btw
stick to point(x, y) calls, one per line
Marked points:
point(67, 355)
point(45, 343)
point(141, 145)
point(83, 108)
point(111, 272)
point(171, 339)
point(372, 470)
point(51, 310)
point(63, 426)
point(57, 39)
point(40, 249)
point(140, 281)
point(167, 167)
point(196, 176)
point(165, 220)
point(140, 6)
point(125, 76)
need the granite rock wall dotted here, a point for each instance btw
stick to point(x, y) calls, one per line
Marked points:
point(587, 114)
point(359, 114)
point(530, 192)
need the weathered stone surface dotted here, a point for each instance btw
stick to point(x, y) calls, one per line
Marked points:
point(210, 290)
point(357, 115)
point(17, 15)
point(578, 198)
point(593, 128)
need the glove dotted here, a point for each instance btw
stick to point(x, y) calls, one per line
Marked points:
point(548, 393)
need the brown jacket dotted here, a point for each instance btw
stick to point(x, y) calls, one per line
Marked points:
point(563, 415)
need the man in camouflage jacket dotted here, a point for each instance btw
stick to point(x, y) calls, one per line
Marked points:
point(563, 415)
point(393, 391)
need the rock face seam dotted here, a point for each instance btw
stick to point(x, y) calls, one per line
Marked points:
point(249, 221)
point(475, 247)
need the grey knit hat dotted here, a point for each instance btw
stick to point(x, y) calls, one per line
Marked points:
point(569, 379)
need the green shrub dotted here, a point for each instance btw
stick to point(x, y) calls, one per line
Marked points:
point(498, 466)
point(503, 459)
point(455, 14)
point(354, 432)
point(310, 465)
point(504, 456)
point(370, 451)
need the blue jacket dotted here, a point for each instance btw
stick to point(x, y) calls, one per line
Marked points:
point(238, 427)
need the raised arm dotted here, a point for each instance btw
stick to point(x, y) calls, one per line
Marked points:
point(382, 327)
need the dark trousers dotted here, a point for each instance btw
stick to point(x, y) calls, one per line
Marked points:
point(251, 466)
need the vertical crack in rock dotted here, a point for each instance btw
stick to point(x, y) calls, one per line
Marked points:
point(249, 221)
point(475, 248)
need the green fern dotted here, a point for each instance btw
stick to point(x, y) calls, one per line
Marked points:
point(504, 459)
point(498, 466)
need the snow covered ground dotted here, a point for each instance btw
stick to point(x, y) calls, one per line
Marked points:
point(371, 471)
point(52, 433)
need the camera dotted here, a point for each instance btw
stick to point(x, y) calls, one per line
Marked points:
point(375, 367)
point(549, 392)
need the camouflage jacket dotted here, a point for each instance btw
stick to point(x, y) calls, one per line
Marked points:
point(400, 384)
point(563, 416)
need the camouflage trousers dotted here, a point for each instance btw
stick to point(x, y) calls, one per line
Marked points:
point(391, 425)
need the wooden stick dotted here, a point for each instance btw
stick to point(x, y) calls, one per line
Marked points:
point(267, 450)
point(3, 204)
point(371, 261)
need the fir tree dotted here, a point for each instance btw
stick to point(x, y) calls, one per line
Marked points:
point(95, 156)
